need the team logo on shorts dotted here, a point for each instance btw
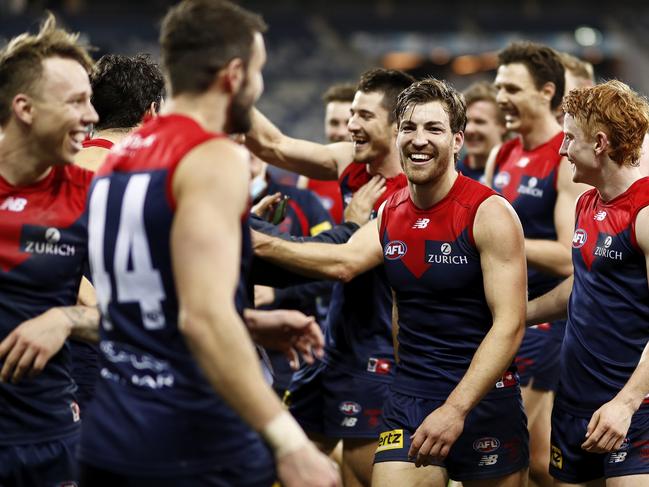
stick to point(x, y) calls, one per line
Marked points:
point(350, 408)
point(579, 238)
point(390, 440)
point(486, 444)
point(395, 250)
point(556, 457)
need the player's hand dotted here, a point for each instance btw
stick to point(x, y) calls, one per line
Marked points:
point(288, 331)
point(361, 205)
point(435, 435)
point(28, 348)
point(608, 427)
point(264, 295)
point(266, 205)
point(307, 467)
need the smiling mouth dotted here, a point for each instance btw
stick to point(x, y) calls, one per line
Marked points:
point(419, 158)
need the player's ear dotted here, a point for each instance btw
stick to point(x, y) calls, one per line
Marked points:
point(23, 108)
point(458, 141)
point(601, 143)
point(548, 90)
point(233, 76)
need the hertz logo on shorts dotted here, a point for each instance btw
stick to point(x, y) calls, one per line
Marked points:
point(390, 440)
point(556, 459)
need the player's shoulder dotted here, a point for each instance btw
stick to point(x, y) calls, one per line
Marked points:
point(506, 149)
point(76, 175)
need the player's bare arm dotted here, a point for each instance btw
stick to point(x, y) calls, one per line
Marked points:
point(325, 261)
point(609, 424)
point(318, 161)
point(551, 306)
point(206, 235)
point(499, 238)
point(553, 256)
point(28, 348)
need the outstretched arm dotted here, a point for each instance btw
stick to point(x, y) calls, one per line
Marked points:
point(325, 261)
point(499, 238)
point(310, 159)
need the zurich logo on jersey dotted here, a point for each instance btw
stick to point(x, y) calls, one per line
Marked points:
point(579, 238)
point(395, 250)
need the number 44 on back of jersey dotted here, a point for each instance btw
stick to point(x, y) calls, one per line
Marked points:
point(142, 283)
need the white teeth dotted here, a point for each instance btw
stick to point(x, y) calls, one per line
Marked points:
point(419, 157)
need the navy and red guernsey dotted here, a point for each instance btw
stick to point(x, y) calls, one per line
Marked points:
point(359, 333)
point(154, 411)
point(433, 266)
point(608, 311)
point(528, 180)
point(43, 235)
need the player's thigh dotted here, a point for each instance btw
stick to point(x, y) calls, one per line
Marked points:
point(628, 481)
point(358, 457)
point(392, 474)
point(536, 403)
point(516, 479)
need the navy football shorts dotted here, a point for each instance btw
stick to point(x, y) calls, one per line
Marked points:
point(537, 359)
point(47, 464)
point(570, 463)
point(338, 405)
point(494, 442)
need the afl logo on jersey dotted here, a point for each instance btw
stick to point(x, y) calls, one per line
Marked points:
point(395, 250)
point(502, 179)
point(579, 238)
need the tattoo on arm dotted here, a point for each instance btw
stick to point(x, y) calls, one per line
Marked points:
point(85, 322)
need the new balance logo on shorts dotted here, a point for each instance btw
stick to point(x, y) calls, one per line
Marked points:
point(390, 440)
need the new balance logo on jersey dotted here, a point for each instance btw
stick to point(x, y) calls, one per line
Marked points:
point(530, 188)
point(390, 440)
point(421, 223)
point(523, 162)
point(599, 216)
point(13, 203)
point(46, 242)
point(395, 250)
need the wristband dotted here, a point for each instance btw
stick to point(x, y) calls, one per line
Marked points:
point(284, 435)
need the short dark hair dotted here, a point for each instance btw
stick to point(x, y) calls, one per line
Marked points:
point(21, 61)
point(389, 82)
point(343, 92)
point(542, 62)
point(429, 90)
point(123, 89)
point(200, 37)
